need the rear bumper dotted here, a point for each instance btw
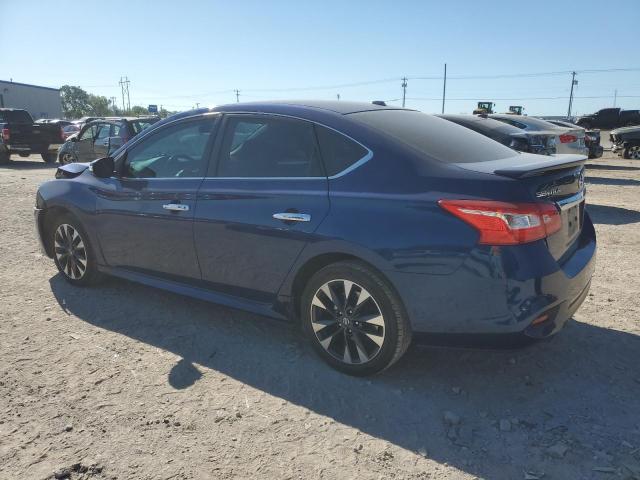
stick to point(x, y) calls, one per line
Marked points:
point(502, 290)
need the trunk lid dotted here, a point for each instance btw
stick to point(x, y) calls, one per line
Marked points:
point(556, 178)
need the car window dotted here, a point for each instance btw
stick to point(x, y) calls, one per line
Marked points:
point(338, 151)
point(435, 137)
point(269, 147)
point(103, 131)
point(89, 133)
point(140, 125)
point(174, 151)
point(15, 116)
point(115, 129)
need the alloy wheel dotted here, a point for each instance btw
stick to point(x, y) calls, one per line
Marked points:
point(347, 321)
point(635, 153)
point(67, 158)
point(70, 252)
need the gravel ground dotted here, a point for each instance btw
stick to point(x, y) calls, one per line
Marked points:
point(124, 381)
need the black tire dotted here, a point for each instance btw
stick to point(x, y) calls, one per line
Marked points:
point(4, 158)
point(631, 151)
point(23, 155)
point(72, 271)
point(48, 157)
point(66, 158)
point(392, 328)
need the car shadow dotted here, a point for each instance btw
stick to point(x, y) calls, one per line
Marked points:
point(611, 181)
point(609, 215)
point(553, 391)
point(27, 165)
point(598, 166)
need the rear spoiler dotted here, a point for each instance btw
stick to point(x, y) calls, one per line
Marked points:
point(525, 165)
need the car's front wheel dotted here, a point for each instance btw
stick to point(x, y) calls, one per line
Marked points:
point(66, 158)
point(48, 157)
point(72, 252)
point(354, 318)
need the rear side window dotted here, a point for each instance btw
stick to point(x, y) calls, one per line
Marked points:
point(435, 137)
point(338, 151)
point(269, 147)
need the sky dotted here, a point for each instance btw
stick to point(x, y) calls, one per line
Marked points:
point(182, 53)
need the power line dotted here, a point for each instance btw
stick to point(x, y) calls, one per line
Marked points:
point(124, 87)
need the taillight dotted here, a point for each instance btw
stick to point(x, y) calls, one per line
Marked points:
point(501, 223)
point(567, 138)
point(6, 134)
point(62, 134)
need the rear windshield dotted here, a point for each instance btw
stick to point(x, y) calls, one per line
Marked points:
point(527, 122)
point(15, 116)
point(435, 137)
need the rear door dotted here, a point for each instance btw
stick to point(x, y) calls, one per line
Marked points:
point(260, 204)
point(146, 215)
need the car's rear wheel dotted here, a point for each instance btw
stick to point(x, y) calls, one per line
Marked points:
point(354, 319)
point(66, 158)
point(4, 157)
point(72, 252)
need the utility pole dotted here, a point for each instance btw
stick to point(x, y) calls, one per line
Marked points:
point(197, 105)
point(573, 82)
point(113, 103)
point(615, 97)
point(237, 95)
point(444, 87)
point(124, 86)
point(338, 96)
point(404, 90)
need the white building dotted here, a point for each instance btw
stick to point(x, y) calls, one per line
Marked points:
point(40, 102)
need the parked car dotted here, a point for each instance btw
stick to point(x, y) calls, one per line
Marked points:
point(70, 130)
point(22, 136)
point(610, 118)
point(370, 225)
point(99, 138)
point(512, 137)
point(626, 142)
point(591, 138)
point(568, 140)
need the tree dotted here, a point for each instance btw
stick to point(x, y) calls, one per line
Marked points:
point(77, 103)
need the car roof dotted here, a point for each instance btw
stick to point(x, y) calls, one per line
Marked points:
point(277, 106)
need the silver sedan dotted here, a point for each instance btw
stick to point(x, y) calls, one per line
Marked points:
point(568, 140)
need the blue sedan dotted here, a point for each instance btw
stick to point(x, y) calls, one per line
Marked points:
point(370, 225)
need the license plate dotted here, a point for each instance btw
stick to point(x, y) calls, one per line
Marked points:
point(573, 219)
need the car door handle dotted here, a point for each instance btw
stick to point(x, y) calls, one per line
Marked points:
point(292, 217)
point(176, 207)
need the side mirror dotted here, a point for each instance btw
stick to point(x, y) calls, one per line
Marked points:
point(74, 138)
point(103, 167)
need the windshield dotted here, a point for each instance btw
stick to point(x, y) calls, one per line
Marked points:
point(15, 116)
point(440, 139)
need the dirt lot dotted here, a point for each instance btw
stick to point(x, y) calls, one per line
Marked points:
point(125, 382)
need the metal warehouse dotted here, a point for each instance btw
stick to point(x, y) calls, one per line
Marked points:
point(40, 102)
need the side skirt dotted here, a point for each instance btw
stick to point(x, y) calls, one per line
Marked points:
point(265, 309)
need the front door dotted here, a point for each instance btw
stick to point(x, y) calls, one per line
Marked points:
point(145, 217)
point(101, 142)
point(264, 197)
point(84, 144)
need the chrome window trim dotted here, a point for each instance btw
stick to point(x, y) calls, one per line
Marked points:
point(368, 156)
